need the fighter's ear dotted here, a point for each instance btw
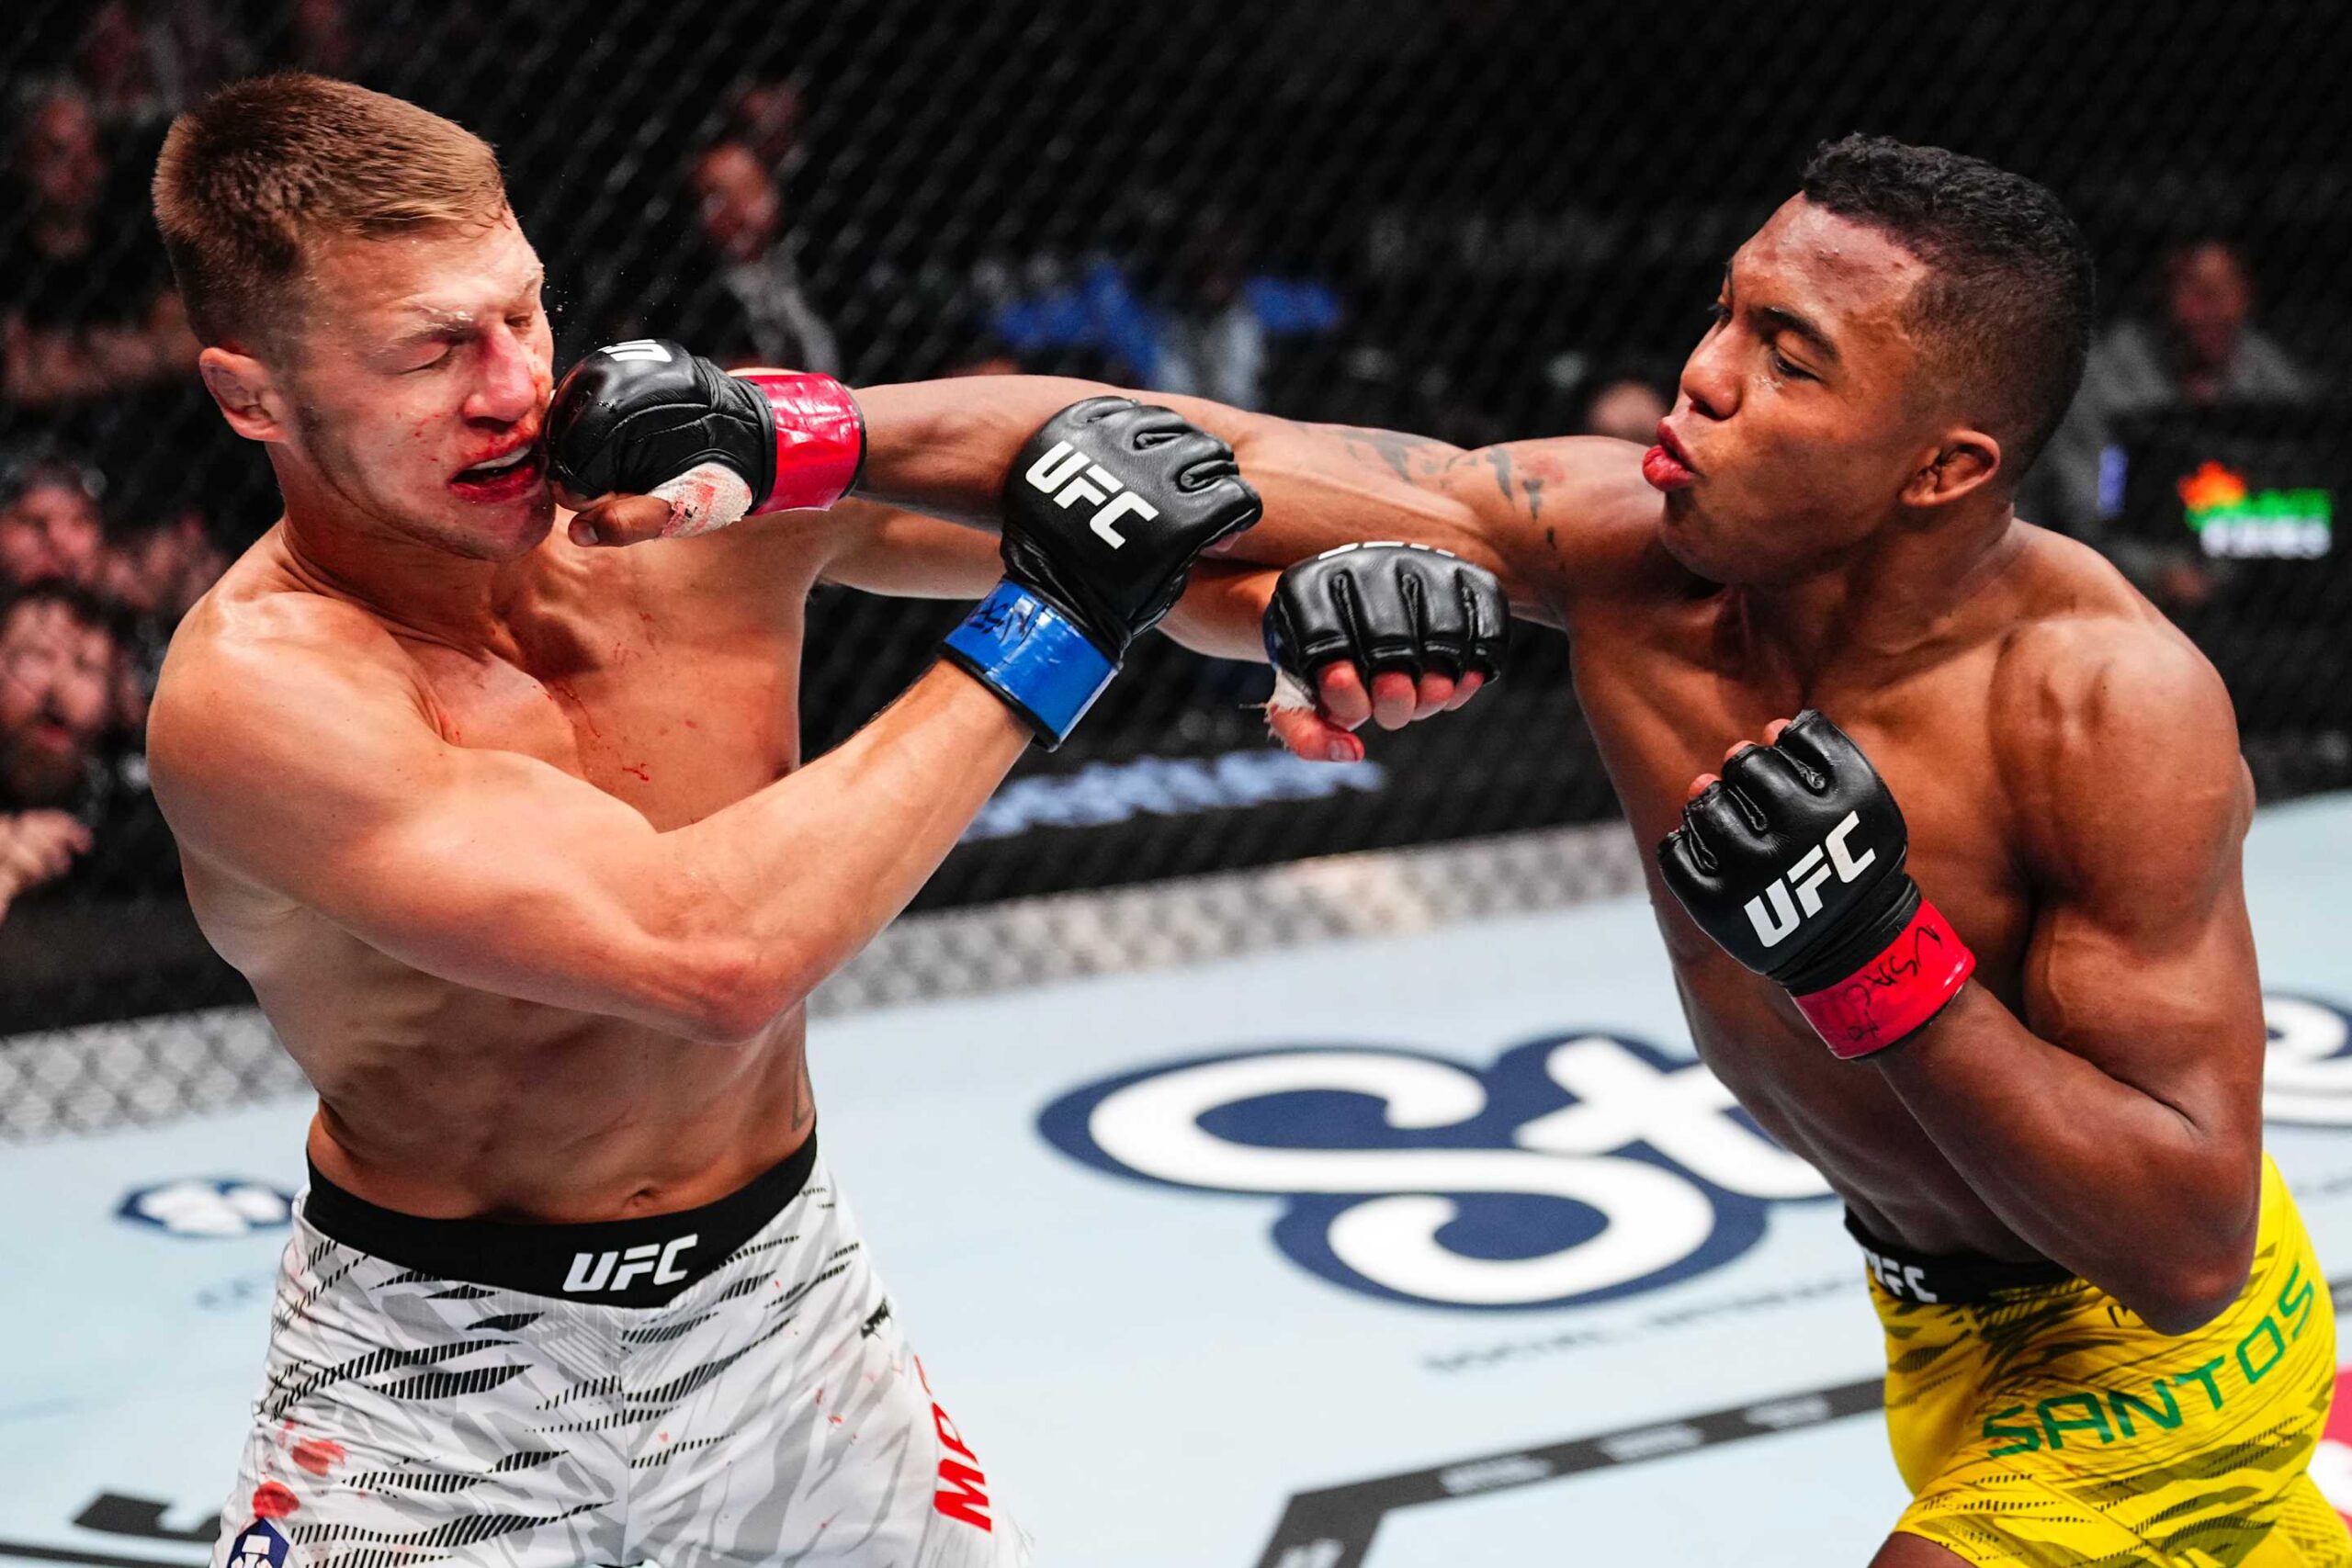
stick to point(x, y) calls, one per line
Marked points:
point(1962, 464)
point(246, 390)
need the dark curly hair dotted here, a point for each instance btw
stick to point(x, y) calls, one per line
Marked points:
point(91, 611)
point(2009, 302)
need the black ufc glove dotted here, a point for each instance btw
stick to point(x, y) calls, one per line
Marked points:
point(1105, 510)
point(1403, 608)
point(1793, 861)
point(634, 415)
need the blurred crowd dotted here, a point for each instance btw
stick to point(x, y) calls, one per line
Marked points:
point(121, 495)
point(86, 608)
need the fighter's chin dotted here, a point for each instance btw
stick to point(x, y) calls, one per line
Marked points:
point(1684, 536)
point(502, 532)
point(1697, 543)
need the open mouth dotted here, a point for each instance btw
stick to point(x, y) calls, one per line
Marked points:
point(507, 477)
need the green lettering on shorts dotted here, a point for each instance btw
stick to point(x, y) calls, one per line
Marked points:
point(2022, 1440)
point(2203, 1374)
point(2168, 1418)
point(2295, 1304)
point(2093, 1419)
point(2277, 1351)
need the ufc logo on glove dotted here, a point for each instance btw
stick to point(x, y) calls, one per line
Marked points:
point(1773, 926)
point(1058, 474)
point(1872, 961)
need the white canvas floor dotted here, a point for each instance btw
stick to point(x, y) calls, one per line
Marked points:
point(1176, 1268)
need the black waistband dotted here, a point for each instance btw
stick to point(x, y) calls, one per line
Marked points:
point(1962, 1279)
point(629, 1263)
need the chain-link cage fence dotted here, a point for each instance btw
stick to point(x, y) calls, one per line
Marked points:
point(1479, 220)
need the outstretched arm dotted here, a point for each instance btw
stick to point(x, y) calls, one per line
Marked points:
point(650, 441)
point(907, 554)
point(1554, 520)
point(774, 441)
point(1520, 510)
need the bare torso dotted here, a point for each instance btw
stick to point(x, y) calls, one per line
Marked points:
point(1669, 677)
point(666, 677)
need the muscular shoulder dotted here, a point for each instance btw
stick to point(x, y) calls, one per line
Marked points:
point(259, 670)
point(259, 634)
point(2115, 735)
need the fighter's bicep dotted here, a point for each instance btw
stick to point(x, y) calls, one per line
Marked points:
point(1324, 486)
point(329, 787)
point(2104, 983)
point(511, 877)
point(2136, 805)
point(1554, 520)
point(1571, 515)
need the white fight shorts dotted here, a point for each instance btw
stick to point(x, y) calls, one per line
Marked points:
point(723, 1386)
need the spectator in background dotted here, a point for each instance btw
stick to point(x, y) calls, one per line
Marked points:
point(37, 848)
point(736, 292)
point(1218, 332)
point(1211, 336)
point(50, 528)
point(326, 41)
point(2199, 349)
point(86, 311)
point(766, 118)
point(979, 352)
point(146, 573)
point(151, 574)
point(144, 62)
point(1625, 406)
point(158, 570)
point(57, 671)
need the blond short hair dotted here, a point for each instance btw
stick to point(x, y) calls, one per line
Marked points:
point(262, 168)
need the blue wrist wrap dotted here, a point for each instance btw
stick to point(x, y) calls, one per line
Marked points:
point(1034, 656)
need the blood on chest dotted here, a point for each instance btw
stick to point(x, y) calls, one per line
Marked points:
point(677, 732)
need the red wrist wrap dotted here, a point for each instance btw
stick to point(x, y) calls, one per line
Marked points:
point(1896, 993)
point(820, 438)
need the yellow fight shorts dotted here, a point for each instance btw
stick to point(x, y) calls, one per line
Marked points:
point(2038, 1423)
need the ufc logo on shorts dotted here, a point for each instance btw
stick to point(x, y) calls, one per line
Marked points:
point(1905, 1279)
point(1773, 923)
point(1058, 474)
point(643, 348)
point(597, 1270)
